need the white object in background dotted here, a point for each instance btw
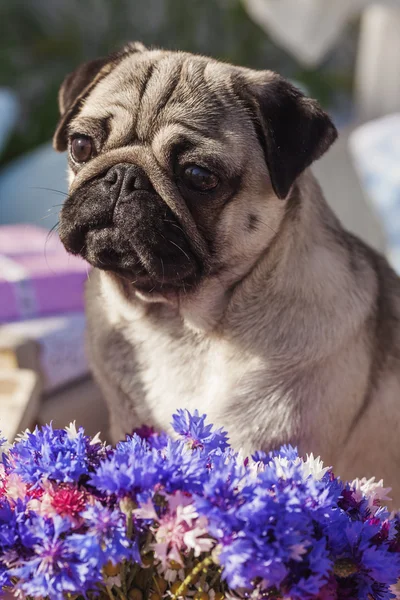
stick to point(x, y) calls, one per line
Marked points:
point(9, 110)
point(375, 147)
point(306, 28)
point(22, 199)
point(61, 343)
point(19, 401)
point(377, 77)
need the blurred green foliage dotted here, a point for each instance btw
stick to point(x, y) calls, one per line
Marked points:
point(43, 40)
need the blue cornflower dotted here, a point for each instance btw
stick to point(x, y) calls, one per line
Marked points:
point(130, 470)
point(53, 568)
point(197, 434)
point(8, 538)
point(266, 525)
point(104, 539)
point(8, 526)
point(287, 452)
point(311, 574)
point(285, 526)
point(3, 443)
point(375, 567)
point(226, 487)
point(54, 454)
point(136, 468)
point(155, 439)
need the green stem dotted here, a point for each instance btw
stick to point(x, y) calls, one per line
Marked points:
point(121, 595)
point(215, 578)
point(109, 592)
point(201, 566)
point(124, 571)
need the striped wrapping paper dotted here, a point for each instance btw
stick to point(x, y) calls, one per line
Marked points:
point(37, 276)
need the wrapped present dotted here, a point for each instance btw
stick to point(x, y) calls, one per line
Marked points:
point(37, 276)
point(51, 346)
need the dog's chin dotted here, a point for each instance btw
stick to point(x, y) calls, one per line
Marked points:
point(151, 290)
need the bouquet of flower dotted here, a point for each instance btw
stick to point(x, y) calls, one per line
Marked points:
point(186, 517)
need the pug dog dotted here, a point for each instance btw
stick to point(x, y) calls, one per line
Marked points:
point(222, 280)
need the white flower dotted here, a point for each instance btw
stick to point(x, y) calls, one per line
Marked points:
point(193, 539)
point(254, 468)
point(146, 511)
point(23, 436)
point(374, 491)
point(281, 464)
point(311, 467)
point(72, 431)
point(171, 575)
point(96, 439)
point(111, 581)
point(314, 467)
point(297, 551)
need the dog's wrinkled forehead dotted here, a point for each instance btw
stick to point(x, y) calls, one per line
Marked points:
point(154, 87)
point(157, 97)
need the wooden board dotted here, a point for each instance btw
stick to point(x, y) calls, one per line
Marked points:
point(19, 401)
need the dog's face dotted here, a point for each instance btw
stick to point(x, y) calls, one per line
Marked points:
point(180, 166)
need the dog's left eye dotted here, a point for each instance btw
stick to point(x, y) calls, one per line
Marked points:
point(199, 178)
point(82, 148)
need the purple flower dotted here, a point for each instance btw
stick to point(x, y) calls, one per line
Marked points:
point(136, 469)
point(52, 569)
point(193, 429)
point(266, 526)
point(54, 454)
point(103, 540)
point(280, 527)
point(374, 568)
point(154, 438)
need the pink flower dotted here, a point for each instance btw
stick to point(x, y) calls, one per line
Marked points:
point(65, 500)
point(177, 531)
point(3, 481)
point(16, 489)
point(68, 501)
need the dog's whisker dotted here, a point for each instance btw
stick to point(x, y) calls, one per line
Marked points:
point(174, 225)
point(47, 216)
point(163, 272)
point(49, 190)
point(51, 212)
point(179, 248)
point(48, 236)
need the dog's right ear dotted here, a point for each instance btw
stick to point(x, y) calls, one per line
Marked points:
point(77, 85)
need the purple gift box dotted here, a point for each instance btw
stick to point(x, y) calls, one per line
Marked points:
point(37, 276)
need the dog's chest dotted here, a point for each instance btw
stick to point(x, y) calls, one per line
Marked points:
point(161, 369)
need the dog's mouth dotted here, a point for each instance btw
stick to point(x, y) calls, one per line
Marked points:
point(160, 269)
point(140, 242)
point(163, 276)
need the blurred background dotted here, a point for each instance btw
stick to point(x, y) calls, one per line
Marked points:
point(345, 53)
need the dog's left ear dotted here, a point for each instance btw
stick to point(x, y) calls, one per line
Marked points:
point(292, 129)
point(77, 85)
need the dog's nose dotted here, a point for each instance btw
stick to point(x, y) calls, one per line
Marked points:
point(124, 179)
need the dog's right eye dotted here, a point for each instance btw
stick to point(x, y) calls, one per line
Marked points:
point(200, 179)
point(82, 148)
